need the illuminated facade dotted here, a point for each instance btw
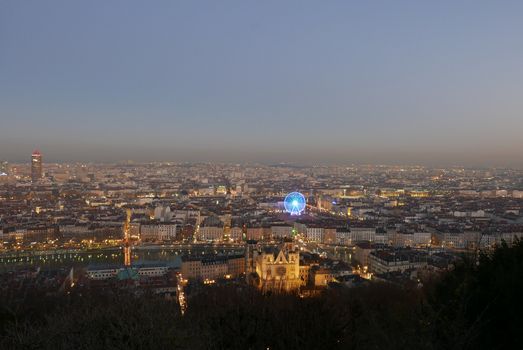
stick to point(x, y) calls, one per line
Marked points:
point(36, 166)
point(213, 268)
point(279, 271)
point(159, 232)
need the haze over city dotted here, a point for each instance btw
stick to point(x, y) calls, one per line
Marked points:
point(341, 175)
point(304, 82)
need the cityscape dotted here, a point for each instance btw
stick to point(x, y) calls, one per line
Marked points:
point(175, 229)
point(248, 175)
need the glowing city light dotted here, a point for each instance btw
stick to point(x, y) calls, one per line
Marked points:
point(294, 203)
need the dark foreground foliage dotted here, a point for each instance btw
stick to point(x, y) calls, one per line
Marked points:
point(476, 306)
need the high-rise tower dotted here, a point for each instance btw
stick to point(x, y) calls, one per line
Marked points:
point(4, 168)
point(36, 166)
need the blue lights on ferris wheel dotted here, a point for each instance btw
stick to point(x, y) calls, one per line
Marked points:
point(294, 203)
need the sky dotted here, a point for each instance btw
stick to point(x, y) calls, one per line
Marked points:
point(414, 82)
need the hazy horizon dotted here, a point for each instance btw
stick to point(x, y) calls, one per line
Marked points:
point(205, 156)
point(301, 82)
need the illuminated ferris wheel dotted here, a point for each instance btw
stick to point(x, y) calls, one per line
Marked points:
point(294, 203)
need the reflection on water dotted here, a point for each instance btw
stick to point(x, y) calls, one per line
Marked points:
point(340, 253)
point(114, 256)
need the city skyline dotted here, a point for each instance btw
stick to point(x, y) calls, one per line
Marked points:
point(261, 174)
point(296, 162)
point(305, 83)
